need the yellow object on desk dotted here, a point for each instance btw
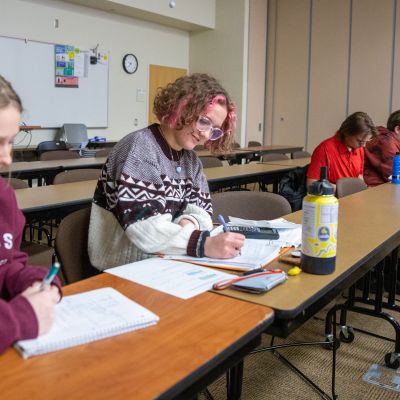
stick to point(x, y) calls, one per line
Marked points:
point(294, 271)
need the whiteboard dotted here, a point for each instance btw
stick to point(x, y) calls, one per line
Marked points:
point(30, 67)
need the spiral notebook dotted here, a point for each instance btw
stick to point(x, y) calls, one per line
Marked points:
point(86, 317)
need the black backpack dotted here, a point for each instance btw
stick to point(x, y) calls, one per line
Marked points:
point(293, 187)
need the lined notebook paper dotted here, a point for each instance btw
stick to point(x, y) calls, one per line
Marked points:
point(86, 317)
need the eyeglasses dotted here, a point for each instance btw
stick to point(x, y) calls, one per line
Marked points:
point(362, 142)
point(204, 124)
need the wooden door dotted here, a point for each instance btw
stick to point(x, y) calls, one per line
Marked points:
point(160, 76)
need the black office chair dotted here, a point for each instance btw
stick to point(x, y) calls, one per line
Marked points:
point(50, 145)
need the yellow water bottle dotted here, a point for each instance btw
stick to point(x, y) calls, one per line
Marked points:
point(319, 227)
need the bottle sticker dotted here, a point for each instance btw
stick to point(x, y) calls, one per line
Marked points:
point(319, 230)
point(309, 216)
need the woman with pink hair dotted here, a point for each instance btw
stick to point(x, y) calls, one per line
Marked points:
point(152, 196)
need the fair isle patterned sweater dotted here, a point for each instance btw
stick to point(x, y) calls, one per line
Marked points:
point(141, 197)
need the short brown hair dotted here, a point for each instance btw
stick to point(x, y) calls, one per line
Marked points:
point(393, 120)
point(180, 103)
point(8, 95)
point(356, 123)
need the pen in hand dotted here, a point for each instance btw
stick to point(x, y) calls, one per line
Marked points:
point(223, 223)
point(225, 226)
point(50, 276)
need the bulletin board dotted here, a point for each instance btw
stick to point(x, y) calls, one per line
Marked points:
point(30, 67)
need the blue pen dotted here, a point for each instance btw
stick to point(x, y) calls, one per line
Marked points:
point(50, 275)
point(223, 223)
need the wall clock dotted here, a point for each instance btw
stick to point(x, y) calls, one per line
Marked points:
point(130, 63)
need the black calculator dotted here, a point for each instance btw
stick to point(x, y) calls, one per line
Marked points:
point(254, 232)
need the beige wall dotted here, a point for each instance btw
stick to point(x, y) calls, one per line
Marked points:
point(222, 52)
point(328, 69)
point(187, 14)
point(256, 70)
point(327, 59)
point(152, 44)
point(290, 78)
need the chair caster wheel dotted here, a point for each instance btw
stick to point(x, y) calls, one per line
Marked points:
point(332, 342)
point(392, 360)
point(346, 334)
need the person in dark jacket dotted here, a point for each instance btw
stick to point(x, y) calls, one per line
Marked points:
point(26, 310)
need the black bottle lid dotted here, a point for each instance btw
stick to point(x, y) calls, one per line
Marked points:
point(322, 187)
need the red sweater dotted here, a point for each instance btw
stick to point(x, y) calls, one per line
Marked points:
point(17, 318)
point(379, 154)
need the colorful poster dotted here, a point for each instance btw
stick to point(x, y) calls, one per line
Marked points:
point(65, 75)
point(67, 81)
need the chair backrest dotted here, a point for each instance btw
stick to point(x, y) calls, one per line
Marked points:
point(347, 186)
point(210, 162)
point(103, 152)
point(199, 147)
point(16, 183)
point(235, 145)
point(77, 175)
point(58, 155)
point(253, 143)
point(71, 246)
point(301, 154)
point(50, 145)
point(274, 157)
point(249, 205)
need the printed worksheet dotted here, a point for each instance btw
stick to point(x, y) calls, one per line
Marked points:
point(177, 278)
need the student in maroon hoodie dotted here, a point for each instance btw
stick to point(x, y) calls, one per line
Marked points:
point(26, 311)
point(380, 151)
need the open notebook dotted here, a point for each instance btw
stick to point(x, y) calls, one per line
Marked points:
point(86, 317)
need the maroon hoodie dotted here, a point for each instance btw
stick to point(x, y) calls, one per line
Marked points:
point(379, 154)
point(17, 318)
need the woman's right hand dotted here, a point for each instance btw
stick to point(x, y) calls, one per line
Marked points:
point(224, 245)
point(42, 302)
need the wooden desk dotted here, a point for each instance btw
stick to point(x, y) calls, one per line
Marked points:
point(194, 341)
point(49, 169)
point(235, 155)
point(365, 237)
point(56, 201)
point(235, 175)
point(249, 152)
point(29, 127)
point(297, 162)
point(276, 148)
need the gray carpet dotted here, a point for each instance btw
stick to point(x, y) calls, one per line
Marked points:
point(266, 377)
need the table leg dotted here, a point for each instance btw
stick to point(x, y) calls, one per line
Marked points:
point(234, 379)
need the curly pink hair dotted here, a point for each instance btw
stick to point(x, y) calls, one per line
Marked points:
point(180, 103)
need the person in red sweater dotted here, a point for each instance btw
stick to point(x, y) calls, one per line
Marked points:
point(343, 153)
point(26, 311)
point(380, 151)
